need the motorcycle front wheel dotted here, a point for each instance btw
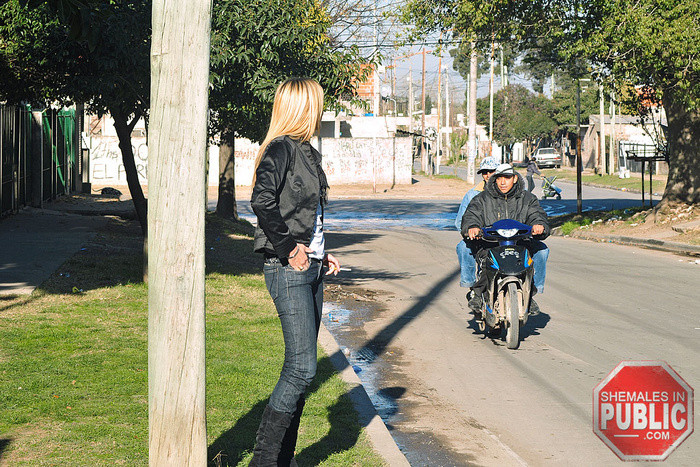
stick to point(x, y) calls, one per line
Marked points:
point(512, 303)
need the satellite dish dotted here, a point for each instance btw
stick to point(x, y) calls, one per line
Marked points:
point(385, 91)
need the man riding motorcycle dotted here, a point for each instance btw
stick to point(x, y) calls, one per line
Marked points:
point(505, 197)
point(467, 262)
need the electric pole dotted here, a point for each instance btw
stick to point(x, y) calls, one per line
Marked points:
point(180, 51)
point(601, 153)
point(439, 114)
point(423, 152)
point(613, 153)
point(503, 79)
point(448, 121)
point(579, 161)
point(410, 99)
point(471, 157)
point(491, 86)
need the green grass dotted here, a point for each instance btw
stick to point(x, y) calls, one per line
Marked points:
point(571, 222)
point(440, 177)
point(73, 365)
point(632, 183)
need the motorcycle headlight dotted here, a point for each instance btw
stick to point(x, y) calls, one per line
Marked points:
point(507, 233)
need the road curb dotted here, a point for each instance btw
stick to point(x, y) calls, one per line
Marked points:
point(377, 431)
point(654, 244)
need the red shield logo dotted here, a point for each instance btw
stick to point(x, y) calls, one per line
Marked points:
point(643, 410)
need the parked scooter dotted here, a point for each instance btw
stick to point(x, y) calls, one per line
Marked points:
point(549, 189)
point(509, 271)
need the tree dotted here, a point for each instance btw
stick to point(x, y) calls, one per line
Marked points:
point(657, 44)
point(42, 64)
point(564, 102)
point(527, 118)
point(624, 42)
point(176, 181)
point(428, 104)
point(255, 46)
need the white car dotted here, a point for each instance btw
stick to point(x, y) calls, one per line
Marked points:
point(547, 157)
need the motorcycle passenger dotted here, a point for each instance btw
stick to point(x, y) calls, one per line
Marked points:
point(505, 197)
point(467, 263)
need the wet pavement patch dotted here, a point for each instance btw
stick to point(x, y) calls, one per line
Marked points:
point(345, 320)
point(344, 325)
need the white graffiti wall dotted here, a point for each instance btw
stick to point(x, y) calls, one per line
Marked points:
point(345, 160)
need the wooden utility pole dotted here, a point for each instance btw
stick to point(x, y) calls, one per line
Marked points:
point(423, 149)
point(438, 142)
point(491, 86)
point(448, 121)
point(503, 78)
point(393, 83)
point(552, 88)
point(579, 160)
point(177, 192)
point(410, 99)
point(613, 153)
point(601, 152)
point(471, 156)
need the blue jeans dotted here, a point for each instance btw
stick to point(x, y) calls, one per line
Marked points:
point(467, 262)
point(467, 265)
point(298, 297)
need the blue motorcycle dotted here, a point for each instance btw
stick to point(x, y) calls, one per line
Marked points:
point(508, 267)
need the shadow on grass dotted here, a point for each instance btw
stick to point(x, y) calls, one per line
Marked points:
point(115, 256)
point(13, 301)
point(4, 443)
point(232, 446)
point(343, 434)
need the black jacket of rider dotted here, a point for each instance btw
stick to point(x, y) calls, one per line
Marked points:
point(286, 196)
point(491, 205)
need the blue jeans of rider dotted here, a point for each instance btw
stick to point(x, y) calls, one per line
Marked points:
point(467, 263)
point(298, 297)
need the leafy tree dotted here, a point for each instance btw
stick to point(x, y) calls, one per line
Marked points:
point(564, 102)
point(255, 46)
point(41, 64)
point(527, 117)
point(624, 42)
point(428, 104)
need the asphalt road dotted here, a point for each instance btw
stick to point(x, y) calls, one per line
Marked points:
point(456, 397)
point(488, 405)
point(376, 213)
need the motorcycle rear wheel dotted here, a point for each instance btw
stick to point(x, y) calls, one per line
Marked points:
point(512, 304)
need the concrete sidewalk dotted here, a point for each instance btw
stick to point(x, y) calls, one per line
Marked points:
point(36, 242)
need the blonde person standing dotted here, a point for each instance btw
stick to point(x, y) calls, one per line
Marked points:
point(289, 196)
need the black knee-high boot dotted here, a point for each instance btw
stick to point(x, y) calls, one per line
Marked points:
point(268, 440)
point(289, 443)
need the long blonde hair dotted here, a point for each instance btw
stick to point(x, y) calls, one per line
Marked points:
point(296, 112)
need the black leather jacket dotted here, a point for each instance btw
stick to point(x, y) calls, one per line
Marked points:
point(491, 205)
point(285, 196)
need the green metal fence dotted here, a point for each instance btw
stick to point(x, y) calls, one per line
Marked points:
point(38, 156)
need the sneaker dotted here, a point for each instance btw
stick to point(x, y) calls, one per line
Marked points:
point(475, 303)
point(534, 308)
